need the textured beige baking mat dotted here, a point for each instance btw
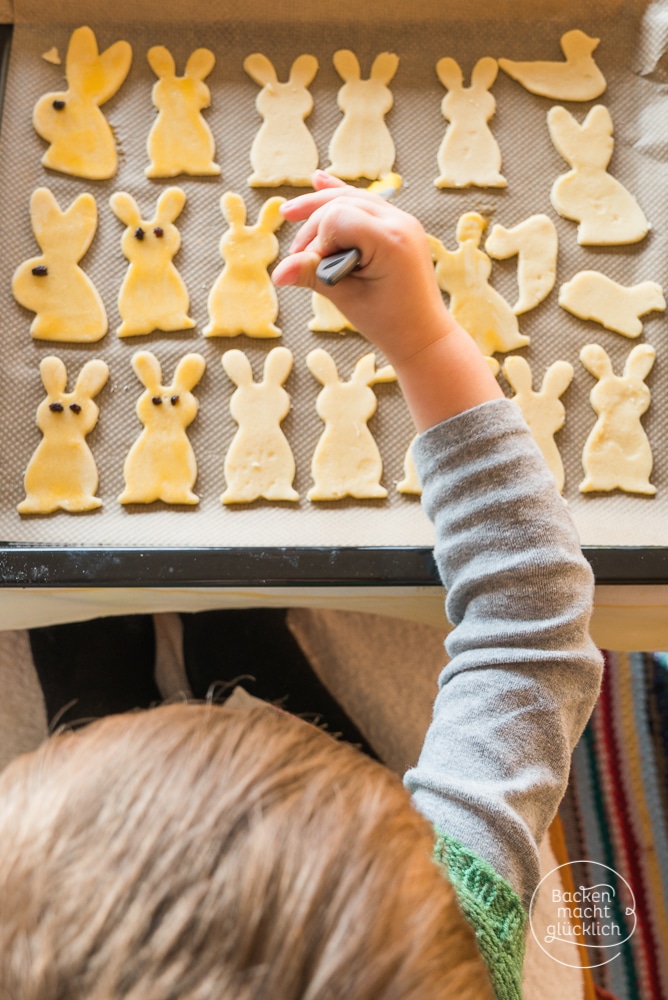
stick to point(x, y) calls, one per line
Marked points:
point(638, 102)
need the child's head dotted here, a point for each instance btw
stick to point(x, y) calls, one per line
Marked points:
point(196, 852)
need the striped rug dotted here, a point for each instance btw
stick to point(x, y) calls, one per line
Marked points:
point(616, 813)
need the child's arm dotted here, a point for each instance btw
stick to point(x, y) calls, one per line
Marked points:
point(523, 675)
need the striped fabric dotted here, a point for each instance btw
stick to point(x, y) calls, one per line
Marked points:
point(616, 813)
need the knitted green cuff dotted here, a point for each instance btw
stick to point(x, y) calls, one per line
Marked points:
point(494, 910)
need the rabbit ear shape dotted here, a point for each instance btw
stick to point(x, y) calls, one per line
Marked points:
point(436, 248)
point(125, 208)
point(322, 365)
point(639, 362)
point(53, 375)
point(557, 379)
point(148, 371)
point(277, 366)
point(365, 369)
point(45, 215)
point(170, 205)
point(92, 377)
point(598, 123)
point(303, 70)
point(596, 361)
point(238, 367)
point(484, 73)
point(470, 227)
point(346, 65)
point(161, 61)
point(200, 63)
point(260, 69)
point(449, 73)
point(384, 67)
point(517, 373)
point(233, 208)
point(188, 372)
point(92, 75)
point(81, 222)
point(565, 132)
point(269, 217)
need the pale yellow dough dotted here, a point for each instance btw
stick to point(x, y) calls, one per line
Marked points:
point(608, 214)
point(52, 56)
point(346, 461)
point(617, 453)
point(326, 317)
point(535, 243)
point(81, 140)
point(576, 79)
point(543, 411)
point(62, 474)
point(469, 154)
point(180, 141)
point(243, 298)
point(362, 145)
point(259, 463)
point(592, 295)
point(153, 295)
point(464, 275)
point(67, 304)
point(283, 151)
point(161, 463)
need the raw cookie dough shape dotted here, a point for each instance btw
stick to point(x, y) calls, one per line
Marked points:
point(346, 461)
point(327, 318)
point(592, 295)
point(469, 154)
point(180, 140)
point(617, 453)
point(543, 411)
point(259, 463)
point(81, 140)
point(153, 295)
point(463, 274)
point(361, 145)
point(161, 463)
point(62, 474)
point(411, 483)
point(608, 214)
point(67, 304)
point(283, 151)
point(576, 79)
point(535, 243)
point(243, 298)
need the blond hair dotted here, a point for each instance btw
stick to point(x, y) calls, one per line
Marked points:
point(194, 852)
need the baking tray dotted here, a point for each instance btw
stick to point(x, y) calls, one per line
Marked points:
point(36, 565)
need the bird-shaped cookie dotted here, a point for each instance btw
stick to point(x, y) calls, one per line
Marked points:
point(576, 79)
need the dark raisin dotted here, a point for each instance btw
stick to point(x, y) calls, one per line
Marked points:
point(56, 407)
point(159, 232)
point(156, 400)
point(139, 233)
point(75, 408)
point(175, 400)
point(59, 105)
point(40, 271)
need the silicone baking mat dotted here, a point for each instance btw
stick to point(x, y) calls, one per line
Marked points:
point(638, 103)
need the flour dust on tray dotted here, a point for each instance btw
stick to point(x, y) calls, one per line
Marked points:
point(62, 474)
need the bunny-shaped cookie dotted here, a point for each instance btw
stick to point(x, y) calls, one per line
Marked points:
point(535, 242)
point(608, 214)
point(464, 275)
point(362, 145)
point(346, 461)
point(161, 463)
point(617, 453)
point(243, 298)
point(62, 473)
point(82, 143)
point(259, 462)
point(153, 295)
point(469, 153)
point(180, 141)
point(283, 151)
point(67, 304)
point(543, 411)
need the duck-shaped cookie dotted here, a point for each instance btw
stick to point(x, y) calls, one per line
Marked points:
point(576, 79)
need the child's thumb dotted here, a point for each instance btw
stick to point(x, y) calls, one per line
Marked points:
point(297, 269)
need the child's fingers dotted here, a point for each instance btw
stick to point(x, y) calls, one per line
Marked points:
point(298, 269)
point(337, 225)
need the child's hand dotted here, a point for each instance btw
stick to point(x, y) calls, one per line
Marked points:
point(393, 298)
